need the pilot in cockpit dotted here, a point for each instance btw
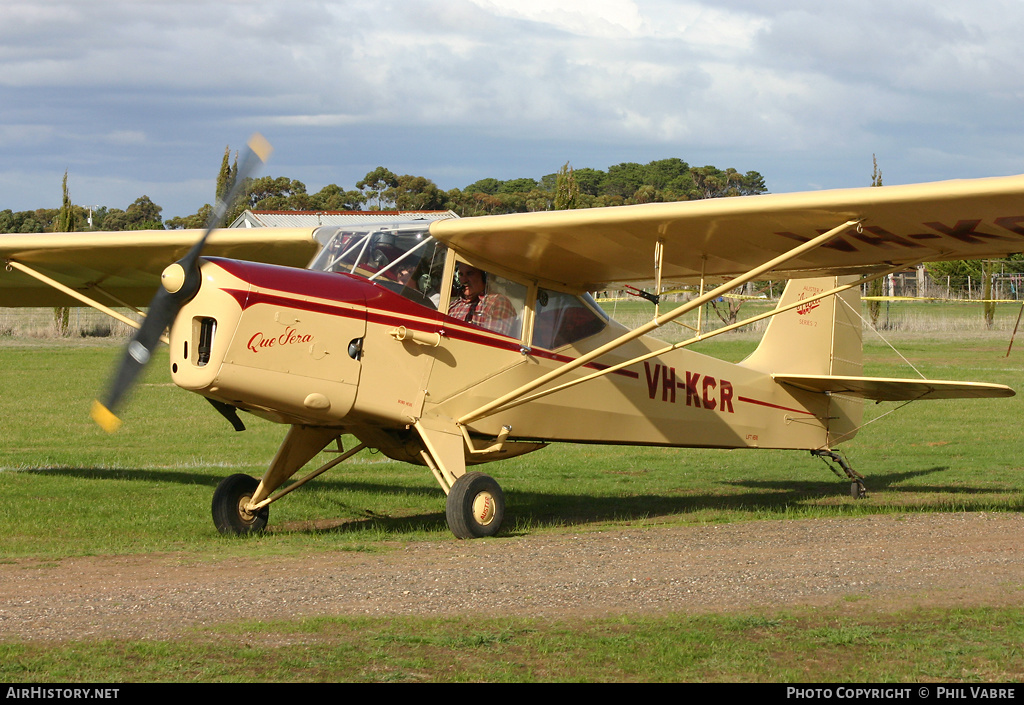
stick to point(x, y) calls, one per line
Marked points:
point(478, 307)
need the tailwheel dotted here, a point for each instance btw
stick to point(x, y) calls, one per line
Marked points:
point(475, 506)
point(229, 500)
point(857, 488)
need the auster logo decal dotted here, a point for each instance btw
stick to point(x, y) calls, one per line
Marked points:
point(811, 305)
point(260, 341)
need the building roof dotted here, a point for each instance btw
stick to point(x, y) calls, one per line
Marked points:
point(295, 219)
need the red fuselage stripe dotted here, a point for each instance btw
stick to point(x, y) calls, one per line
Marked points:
point(354, 295)
point(449, 327)
point(774, 406)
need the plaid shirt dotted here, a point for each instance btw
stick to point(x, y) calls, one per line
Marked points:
point(491, 311)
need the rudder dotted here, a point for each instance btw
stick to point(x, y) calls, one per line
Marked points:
point(822, 337)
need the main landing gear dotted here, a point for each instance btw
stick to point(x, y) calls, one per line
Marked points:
point(474, 509)
point(229, 506)
point(857, 488)
point(475, 506)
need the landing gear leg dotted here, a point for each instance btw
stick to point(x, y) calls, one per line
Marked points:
point(241, 503)
point(857, 488)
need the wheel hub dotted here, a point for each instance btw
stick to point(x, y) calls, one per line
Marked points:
point(243, 511)
point(483, 508)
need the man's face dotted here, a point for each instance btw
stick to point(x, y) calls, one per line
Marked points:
point(405, 274)
point(471, 281)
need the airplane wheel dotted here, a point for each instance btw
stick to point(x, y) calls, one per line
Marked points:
point(858, 490)
point(475, 506)
point(229, 500)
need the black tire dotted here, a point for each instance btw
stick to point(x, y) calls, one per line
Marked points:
point(475, 506)
point(229, 499)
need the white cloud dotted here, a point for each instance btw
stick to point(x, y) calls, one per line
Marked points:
point(14, 135)
point(607, 19)
point(125, 87)
point(125, 138)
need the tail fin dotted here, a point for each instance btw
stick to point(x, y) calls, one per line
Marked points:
point(820, 338)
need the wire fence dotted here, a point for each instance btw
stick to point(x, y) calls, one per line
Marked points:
point(46, 323)
point(948, 316)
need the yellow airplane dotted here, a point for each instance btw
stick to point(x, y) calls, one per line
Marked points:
point(462, 342)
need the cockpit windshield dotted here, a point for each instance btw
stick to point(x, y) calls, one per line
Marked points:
point(403, 258)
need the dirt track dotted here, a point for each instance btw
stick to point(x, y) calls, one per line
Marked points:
point(925, 559)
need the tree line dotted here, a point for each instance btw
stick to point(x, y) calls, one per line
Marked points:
point(381, 189)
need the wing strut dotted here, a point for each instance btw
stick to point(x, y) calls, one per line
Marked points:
point(661, 320)
point(659, 260)
point(698, 338)
point(116, 300)
point(74, 294)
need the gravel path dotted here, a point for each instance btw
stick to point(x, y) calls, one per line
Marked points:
point(894, 561)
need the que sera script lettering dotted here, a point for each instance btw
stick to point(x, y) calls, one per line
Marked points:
point(261, 341)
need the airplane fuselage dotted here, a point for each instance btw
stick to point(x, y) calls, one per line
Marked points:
point(336, 350)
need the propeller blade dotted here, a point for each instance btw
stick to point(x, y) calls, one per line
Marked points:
point(179, 284)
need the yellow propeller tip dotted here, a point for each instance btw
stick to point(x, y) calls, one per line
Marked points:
point(260, 147)
point(104, 417)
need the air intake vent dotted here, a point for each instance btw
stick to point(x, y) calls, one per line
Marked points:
point(207, 332)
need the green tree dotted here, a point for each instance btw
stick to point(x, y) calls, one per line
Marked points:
point(567, 191)
point(488, 186)
point(590, 181)
point(682, 188)
point(65, 223)
point(659, 174)
point(197, 220)
point(625, 183)
point(524, 185)
point(647, 194)
point(624, 179)
point(988, 305)
point(333, 198)
point(416, 193)
point(752, 184)
point(143, 214)
point(712, 182)
point(270, 193)
point(226, 175)
point(958, 274)
point(115, 219)
point(66, 216)
point(376, 183)
point(19, 222)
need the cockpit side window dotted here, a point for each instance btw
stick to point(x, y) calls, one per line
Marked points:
point(561, 319)
point(487, 300)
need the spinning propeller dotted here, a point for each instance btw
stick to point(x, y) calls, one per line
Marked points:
point(179, 283)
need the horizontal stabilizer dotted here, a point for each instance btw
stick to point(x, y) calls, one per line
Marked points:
point(886, 389)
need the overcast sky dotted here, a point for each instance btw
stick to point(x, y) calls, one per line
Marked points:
point(142, 96)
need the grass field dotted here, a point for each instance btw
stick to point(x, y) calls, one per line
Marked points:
point(801, 646)
point(70, 490)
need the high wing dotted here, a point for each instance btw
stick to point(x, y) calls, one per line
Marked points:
point(885, 389)
point(127, 265)
point(588, 249)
